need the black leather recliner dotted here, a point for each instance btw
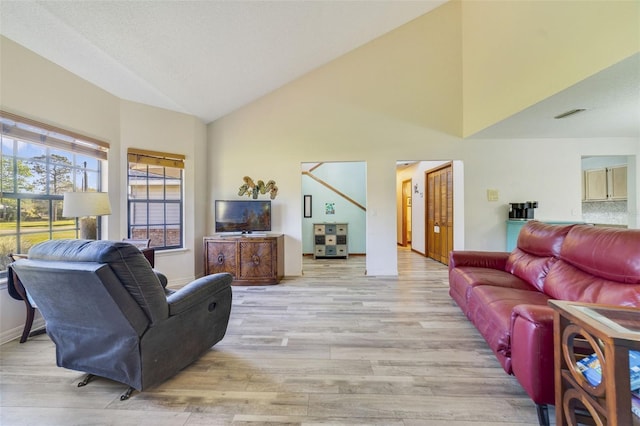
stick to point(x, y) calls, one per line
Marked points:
point(108, 314)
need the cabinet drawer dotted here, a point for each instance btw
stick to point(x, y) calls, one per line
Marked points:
point(341, 239)
point(329, 229)
point(319, 239)
point(341, 250)
point(330, 251)
point(341, 229)
point(330, 240)
point(320, 251)
point(318, 229)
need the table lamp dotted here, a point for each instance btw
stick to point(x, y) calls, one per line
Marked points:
point(86, 206)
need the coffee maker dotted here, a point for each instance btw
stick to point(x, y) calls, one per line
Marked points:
point(522, 211)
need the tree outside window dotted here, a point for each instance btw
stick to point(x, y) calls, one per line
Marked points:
point(37, 166)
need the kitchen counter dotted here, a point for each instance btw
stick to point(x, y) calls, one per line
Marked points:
point(609, 225)
point(514, 226)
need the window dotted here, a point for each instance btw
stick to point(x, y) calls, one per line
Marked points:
point(155, 202)
point(38, 163)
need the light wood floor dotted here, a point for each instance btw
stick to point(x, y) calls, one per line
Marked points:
point(333, 347)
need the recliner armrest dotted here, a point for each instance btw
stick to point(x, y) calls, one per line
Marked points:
point(481, 259)
point(197, 292)
point(162, 277)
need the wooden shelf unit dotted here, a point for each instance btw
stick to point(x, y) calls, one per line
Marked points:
point(330, 240)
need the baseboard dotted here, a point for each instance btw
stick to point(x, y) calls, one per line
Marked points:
point(16, 332)
point(176, 283)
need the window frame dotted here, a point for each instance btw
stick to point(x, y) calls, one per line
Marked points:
point(145, 161)
point(30, 136)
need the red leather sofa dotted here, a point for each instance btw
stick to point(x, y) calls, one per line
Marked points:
point(505, 294)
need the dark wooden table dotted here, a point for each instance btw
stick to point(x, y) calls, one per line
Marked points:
point(610, 332)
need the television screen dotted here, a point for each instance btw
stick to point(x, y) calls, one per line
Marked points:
point(242, 215)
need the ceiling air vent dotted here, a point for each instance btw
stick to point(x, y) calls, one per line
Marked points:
point(568, 113)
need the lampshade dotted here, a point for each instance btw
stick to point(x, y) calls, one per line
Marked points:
point(81, 204)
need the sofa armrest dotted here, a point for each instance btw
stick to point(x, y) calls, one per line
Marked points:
point(532, 351)
point(481, 259)
point(197, 292)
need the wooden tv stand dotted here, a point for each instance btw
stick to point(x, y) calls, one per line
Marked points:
point(252, 259)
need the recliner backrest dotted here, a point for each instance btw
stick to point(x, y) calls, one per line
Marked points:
point(83, 295)
point(126, 261)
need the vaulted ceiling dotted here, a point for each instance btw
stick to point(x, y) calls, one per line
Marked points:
point(210, 57)
point(205, 58)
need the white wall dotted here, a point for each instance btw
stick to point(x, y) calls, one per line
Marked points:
point(401, 97)
point(543, 170)
point(156, 129)
point(36, 88)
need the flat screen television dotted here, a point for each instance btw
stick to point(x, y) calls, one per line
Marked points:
point(243, 216)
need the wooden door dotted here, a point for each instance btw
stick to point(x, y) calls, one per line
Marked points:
point(439, 217)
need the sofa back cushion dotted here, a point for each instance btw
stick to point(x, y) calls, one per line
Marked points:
point(537, 249)
point(597, 265)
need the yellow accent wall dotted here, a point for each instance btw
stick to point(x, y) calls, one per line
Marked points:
point(517, 53)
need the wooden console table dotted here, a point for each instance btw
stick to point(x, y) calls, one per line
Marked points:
point(251, 259)
point(609, 331)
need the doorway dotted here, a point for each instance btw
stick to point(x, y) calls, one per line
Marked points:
point(334, 193)
point(439, 217)
point(416, 172)
point(406, 213)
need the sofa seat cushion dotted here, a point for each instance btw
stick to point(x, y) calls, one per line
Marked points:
point(462, 279)
point(489, 309)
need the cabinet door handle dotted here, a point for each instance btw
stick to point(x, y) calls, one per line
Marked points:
point(255, 259)
point(220, 259)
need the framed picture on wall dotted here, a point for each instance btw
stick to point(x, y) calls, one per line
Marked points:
point(307, 206)
point(330, 208)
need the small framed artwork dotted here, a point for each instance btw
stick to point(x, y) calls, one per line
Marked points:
point(330, 208)
point(307, 206)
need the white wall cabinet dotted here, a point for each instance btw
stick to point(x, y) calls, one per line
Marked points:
point(605, 184)
point(617, 183)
